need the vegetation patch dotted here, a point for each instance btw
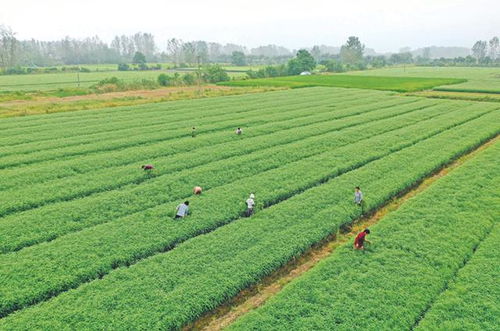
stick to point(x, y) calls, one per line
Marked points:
point(398, 84)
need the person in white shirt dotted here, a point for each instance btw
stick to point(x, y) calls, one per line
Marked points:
point(182, 210)
point(238, 131)
point(250, 204)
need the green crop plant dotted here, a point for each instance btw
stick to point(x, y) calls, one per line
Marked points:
point(415, 254)
point(221, 205)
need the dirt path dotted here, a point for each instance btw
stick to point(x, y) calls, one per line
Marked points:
point(255, 296)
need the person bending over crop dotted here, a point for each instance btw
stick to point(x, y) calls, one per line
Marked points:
point(250, 204)
point(238, 131)
point(182, 210)
point(148, 167)
point(359, 242)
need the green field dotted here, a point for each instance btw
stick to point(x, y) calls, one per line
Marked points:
point(399, 84)
point(52, 81)
point(416, 252)
point(88, 240)
point(478, 79)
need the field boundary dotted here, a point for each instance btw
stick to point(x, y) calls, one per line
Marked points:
point(256, 295)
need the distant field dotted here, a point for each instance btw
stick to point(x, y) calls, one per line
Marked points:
point(478, 79)
point(399, 84)
point(50, 81)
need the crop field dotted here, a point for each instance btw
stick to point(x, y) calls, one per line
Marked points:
point(51, 81)
point(400, 84)
point(419, 249)
point(478, 79)
point(88, 239)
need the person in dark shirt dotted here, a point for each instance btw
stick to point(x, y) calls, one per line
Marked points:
point(359, 242)
point(193, 132)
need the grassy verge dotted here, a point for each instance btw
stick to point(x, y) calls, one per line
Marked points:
point(472, 96)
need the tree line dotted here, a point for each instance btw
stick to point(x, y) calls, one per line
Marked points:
point(124, 50)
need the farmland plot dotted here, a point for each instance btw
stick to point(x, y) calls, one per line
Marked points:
point(416, 251)
point(305, 163)
point(478, 79)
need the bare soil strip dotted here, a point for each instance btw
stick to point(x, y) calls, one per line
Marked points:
point(255, 296)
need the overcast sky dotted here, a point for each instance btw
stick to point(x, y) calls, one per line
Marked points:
point(385, 25)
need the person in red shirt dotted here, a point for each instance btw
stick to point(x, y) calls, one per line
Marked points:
point(360, 240)
point(147, 167)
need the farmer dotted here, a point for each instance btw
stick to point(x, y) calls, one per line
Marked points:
point(250, 204)
point(358, 196)
point(359, 242)
point(182, 210)
point(197, 190)
point(193, 132)
point(148, 167)
point(239, 131)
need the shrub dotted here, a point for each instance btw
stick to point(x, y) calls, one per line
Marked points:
point(123, 67)
point(164, 80)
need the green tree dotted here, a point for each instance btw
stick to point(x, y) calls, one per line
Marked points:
point(334, 66)
point(139, 58)
point(215, 73)
point(303, 61)
point(494, 48)
point(479, 50)
point(238, 58)
point(352, 51)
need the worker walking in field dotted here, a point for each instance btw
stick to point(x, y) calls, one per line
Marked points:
point(250, 204)
point(182, 210)
point(359, 241)
point(193, 132)
point(239, 131)
point(358, 196)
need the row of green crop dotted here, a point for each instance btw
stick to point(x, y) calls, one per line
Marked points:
point(130, 159)
point(415, 252)
point(113, 129)
point(470, 302)
point(175, 109)
point(204, 169)
point(157, 135)
point(467, 90)
point(72, 257)
point(162, 133)
point(43, 171)
point(169, 121)
point(168, 290)
point(93, 117)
